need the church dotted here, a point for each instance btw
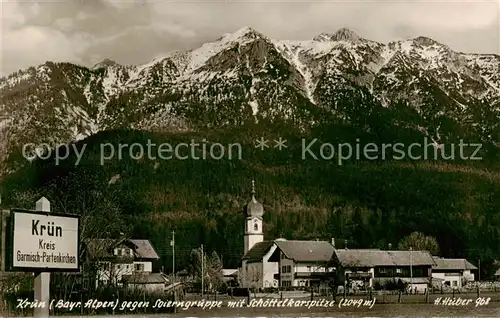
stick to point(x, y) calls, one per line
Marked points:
point(279, 262)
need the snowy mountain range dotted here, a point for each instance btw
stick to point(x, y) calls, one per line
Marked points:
point(246, 76)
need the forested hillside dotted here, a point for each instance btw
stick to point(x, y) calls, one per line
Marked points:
point(369, 203)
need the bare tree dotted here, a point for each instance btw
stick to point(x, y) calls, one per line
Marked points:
point(112, 271)
point(212, 269)
point(255, 277)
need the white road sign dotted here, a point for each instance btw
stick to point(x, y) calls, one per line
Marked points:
point(42, 241)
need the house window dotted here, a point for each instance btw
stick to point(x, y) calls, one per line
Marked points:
point(286, 283)
point(256, 227)
point(399, 270)
point(139, 267)
point(286, 269)
point(454, 283)
point(308, 268)
point(283, 255)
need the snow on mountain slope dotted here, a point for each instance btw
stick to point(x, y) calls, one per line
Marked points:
point(487, 66)
point(242, 76)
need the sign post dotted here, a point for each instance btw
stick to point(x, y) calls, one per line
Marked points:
point(42, 279)
point(5, 214)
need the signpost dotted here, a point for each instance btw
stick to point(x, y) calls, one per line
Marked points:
point(41, 242)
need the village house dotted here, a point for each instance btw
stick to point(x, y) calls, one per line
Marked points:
point(367, 268)
point(453, 272)
point(126, 262)
point(302, 263)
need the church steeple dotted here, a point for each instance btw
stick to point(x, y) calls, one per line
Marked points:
point(253, 224)
point(254, 208)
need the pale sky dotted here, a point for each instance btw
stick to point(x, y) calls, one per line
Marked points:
point(134, 32)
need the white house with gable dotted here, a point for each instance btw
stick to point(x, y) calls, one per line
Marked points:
point(454, 272)
point(124, 261)
point(302, 263)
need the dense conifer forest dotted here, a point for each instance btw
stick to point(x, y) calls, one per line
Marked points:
point(366, 203)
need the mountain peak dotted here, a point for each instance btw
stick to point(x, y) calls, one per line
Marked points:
point(245, 33)
point(104, 64)
point(345, 34)
point(342, 34)
point(425, 41)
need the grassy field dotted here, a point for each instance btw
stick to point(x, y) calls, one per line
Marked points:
point(379, 310)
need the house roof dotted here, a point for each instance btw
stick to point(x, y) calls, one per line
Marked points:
point(258, 251)
point(103, 248)
point(374, 257)
point(150, 278)
point(306, 251)
point(452, 264)
point(363, 258)
point(229, 272)
point(415, 258)
point(145, 249)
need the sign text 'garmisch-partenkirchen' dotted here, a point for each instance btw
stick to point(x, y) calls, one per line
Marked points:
point(45, 257)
